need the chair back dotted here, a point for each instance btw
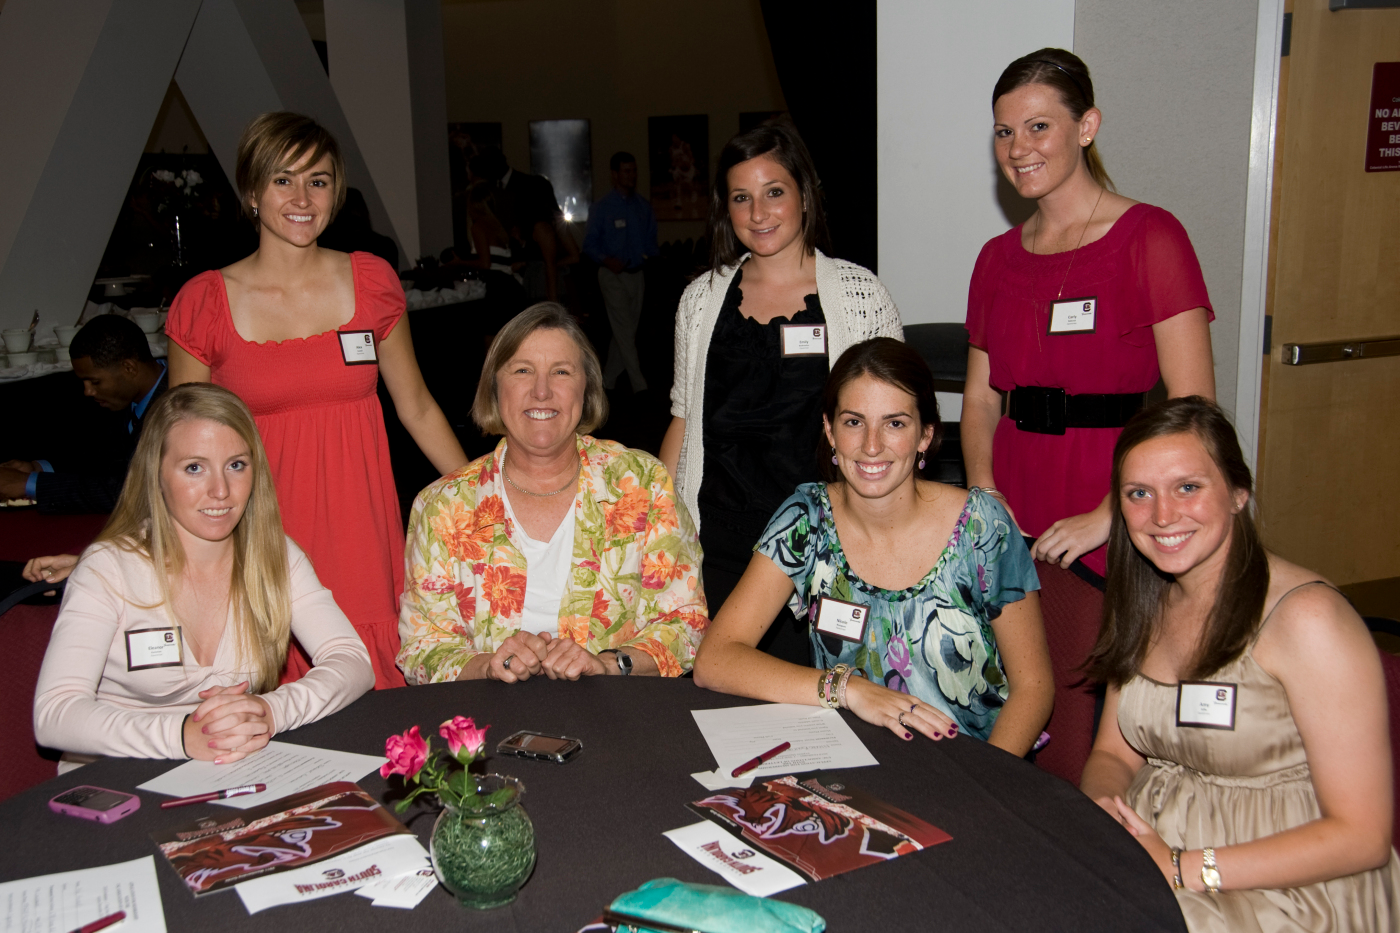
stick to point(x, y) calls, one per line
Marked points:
point(23, 764)
point(1071, 610)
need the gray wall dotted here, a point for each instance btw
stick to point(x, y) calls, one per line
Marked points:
point(1175, 81)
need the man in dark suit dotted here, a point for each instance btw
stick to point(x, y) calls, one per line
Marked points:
point(112, 358)
point(529, 210)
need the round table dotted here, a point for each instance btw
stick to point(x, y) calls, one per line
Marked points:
point(1029, 851)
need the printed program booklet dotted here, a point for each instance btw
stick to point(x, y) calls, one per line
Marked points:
point(818, 824)
point(302, 828)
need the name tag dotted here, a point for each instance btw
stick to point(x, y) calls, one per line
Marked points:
point(357, 347)
point(1073, 316)
point(804, 339)
point(1203, 705)
point(842, 619)
point(620, 223)
point(153, 647)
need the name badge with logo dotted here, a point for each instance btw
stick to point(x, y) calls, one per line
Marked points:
point(1203, 705)
point(357, 346)
point(1073, 316)
point(842, 619)
point(804, 340)
point(153, 647)
point(620, 223)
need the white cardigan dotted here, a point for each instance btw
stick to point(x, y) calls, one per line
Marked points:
point(856, 306)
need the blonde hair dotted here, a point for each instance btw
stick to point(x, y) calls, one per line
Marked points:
point(547, 315)
point(276, 142)
point(260, 591)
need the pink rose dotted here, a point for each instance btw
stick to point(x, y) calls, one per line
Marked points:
point(462, 734)
point(406, 754)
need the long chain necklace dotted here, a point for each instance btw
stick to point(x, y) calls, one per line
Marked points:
point(539, 495)
point(1072, 253)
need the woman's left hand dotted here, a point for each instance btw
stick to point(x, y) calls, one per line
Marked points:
point(1071, 538)
point(236, 723)
point(899, 712)
point(568, 660)
point(1157, 848)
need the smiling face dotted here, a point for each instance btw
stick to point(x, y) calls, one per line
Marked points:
point(877, 436)
point(1038, 140)
point(297, 204)
point(540, 391)
point(765, 207)
point(206, 478)
point(1177, 505)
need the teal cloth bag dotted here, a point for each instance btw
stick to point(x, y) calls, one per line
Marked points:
point(706, 908)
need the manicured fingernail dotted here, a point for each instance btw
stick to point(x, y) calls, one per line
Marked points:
point(908, 735)
point(952, 731)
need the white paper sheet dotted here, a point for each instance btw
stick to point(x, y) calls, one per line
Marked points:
point(734, 860)
point(405, 892)
point(71, 899)
point(819, 737)
point(718, 780)
point(284, 768)
point(349, 871)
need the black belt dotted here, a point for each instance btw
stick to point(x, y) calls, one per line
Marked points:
point(1049, 409)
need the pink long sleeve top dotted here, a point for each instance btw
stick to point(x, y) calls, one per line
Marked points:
point(89, 701)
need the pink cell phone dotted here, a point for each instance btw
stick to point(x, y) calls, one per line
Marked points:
point(95, 803)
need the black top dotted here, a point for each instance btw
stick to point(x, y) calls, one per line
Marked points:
point(762, 418)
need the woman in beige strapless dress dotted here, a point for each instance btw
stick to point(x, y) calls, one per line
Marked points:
point(1244, 739)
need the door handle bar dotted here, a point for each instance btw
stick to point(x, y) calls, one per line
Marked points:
point(1301, 354)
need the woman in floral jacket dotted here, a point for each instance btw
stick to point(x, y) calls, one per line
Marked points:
point(506, 578)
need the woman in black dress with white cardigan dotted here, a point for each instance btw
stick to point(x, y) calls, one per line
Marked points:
point(754, 341)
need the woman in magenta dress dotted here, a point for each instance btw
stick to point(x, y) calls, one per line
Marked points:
point(302, 334)
point(1072, 317)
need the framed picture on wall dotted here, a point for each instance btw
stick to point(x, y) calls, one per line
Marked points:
point(562, 151)
point(679, 152)
point(465, 140)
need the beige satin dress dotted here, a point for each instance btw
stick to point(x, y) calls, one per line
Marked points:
point(1213, 787)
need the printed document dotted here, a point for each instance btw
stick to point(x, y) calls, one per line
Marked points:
point(284, 768)
point(71, 899)
point(734, 860)
point(349, 871)
point(820, 739)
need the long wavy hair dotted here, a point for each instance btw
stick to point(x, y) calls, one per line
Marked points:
point(1137, 590)
point(141, 523)
point(1069, 76)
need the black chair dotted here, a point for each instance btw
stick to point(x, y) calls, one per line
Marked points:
point(944, 349)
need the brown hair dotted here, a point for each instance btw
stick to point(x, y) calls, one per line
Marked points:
point(1068, 75)
point(279, 141)
point(260, 591)
point(1137, 590)
point(780, 142)
point(547, 315)
point(893, 363)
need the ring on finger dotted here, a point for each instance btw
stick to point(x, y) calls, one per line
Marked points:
point(506, 662)
point(900, 720)
point(913, 706)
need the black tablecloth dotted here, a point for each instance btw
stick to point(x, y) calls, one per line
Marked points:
point(1029, 852)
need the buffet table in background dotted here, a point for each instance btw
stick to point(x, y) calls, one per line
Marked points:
point(1028, 850)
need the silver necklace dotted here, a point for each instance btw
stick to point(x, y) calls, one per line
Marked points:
point(540, 495)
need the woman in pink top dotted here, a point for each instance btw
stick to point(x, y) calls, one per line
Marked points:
point(1071, 316)
point(176, 622)
point(302, 335)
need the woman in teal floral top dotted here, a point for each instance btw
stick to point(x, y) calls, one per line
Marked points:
point(926, 590)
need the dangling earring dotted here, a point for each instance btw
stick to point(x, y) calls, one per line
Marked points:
point(921, 459)
point(833, 456)
point(255, 213)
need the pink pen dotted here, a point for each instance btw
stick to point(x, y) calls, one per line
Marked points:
point(215, 795)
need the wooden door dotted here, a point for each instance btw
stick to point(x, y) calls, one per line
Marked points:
point(1329, 466)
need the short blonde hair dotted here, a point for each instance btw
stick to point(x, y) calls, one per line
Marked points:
point(278, 141)
point(260, 591)
point(547, 315)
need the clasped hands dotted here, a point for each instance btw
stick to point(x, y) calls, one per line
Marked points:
point(230, 724)
point(525, 655)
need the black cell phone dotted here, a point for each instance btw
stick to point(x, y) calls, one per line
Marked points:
point(541, 747)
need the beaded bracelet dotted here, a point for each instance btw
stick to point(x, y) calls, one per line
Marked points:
point(841, 687)
point(826, 691)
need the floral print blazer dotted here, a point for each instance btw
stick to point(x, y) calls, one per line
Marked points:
point(634, 579)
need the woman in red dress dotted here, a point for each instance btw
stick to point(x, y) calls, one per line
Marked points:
point(1072, 317)
point(302, 334)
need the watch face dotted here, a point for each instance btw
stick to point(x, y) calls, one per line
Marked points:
point(1210, 877)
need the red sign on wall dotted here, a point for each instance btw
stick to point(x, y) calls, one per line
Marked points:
point(1383, 122)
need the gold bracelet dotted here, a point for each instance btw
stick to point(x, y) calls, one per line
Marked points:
point(1210, 874)
point(1176, 866)
point(826, 686)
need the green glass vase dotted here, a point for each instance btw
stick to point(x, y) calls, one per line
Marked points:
point(484, 850)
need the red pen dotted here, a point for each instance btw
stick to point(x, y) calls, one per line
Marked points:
point(215, 795)
point(102, 924)
point(755, 762)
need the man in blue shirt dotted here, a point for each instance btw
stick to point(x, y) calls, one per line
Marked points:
point(621, 235)
point(113, 359)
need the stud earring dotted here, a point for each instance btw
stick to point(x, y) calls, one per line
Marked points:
point(1088, 140)
point(255, 213)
